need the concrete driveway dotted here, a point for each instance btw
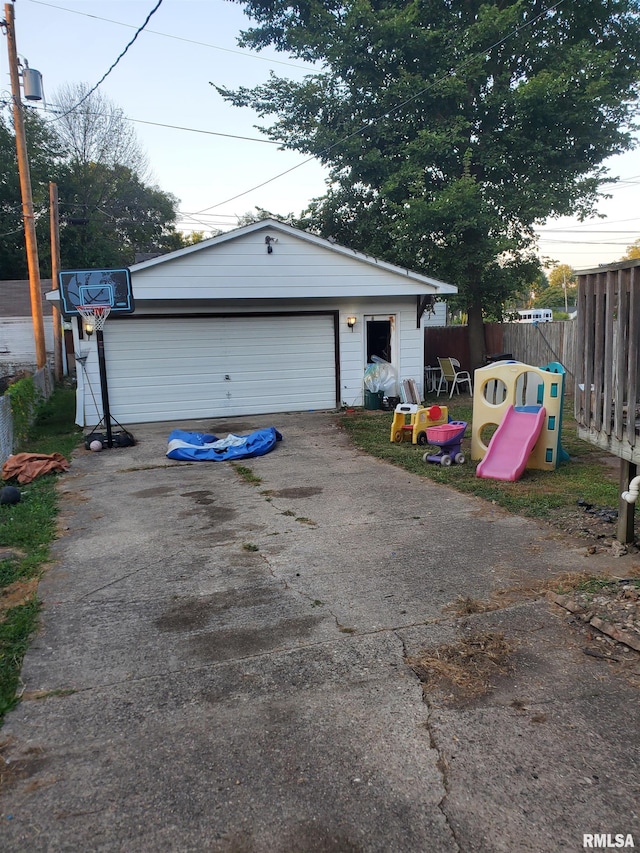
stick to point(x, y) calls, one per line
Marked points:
point(222, 666)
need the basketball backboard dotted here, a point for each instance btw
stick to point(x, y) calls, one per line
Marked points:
point(93, 288)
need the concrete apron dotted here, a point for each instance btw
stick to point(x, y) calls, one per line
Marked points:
point(221, 666)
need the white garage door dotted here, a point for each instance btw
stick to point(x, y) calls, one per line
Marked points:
point(200, 367)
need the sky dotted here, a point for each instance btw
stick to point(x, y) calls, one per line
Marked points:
point(165, 79)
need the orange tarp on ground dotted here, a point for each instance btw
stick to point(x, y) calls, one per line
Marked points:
point(25, 467)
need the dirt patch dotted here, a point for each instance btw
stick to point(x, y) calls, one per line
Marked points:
point(298, 492)
point(8, 553)
point(229, 643)
point(157, 492)
point(16, 594)
point(32, 762)
point(598, 525)
point(464, 669)
point(206, 503)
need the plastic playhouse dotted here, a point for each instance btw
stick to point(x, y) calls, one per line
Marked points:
point(412, 422)
point(525, 404)
point(448, 438)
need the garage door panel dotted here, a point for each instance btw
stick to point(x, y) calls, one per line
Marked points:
point(174, 368)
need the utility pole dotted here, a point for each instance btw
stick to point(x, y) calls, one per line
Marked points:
point(25, 189)
point(55, 269)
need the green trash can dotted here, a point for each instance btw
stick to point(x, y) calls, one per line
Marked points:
point(372, 399)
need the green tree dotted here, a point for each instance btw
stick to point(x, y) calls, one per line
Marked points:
point(108, 215)
point(108, 212)
point(44, 159)
point(561, 278)
point(451, 127)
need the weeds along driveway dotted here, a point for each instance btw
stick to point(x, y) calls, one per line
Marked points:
point(222, 665)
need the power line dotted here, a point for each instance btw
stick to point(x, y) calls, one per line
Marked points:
point(106, 74)
point(395, 109)
point(179, 127)
point(246, 53)
point(584, 243)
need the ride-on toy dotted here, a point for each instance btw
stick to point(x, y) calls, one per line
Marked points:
point(448, 437)
point(411, 422)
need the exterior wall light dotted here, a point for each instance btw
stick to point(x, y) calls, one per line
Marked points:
point(351, 321)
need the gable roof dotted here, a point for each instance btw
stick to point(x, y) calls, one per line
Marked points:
point(408, 281)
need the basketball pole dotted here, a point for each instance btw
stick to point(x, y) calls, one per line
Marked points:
point(104, 390)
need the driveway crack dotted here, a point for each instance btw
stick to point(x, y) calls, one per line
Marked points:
point(441, 761)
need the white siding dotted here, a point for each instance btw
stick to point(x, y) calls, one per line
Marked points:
point(409, 349)
point(437, 317)
point(171, 356)
point(185, 368)
point(163, 365)
point(241, 268)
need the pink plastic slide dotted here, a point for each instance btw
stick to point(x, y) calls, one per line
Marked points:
point(511, 444)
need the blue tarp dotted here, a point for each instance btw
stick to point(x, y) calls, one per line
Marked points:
point(196, 446)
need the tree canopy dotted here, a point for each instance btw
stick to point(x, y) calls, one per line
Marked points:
point(559, 289)
point(633, 251)
point(45, 159)
point(451, 127)
point(108, 210)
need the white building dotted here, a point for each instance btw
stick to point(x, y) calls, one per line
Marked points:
point(255, 321)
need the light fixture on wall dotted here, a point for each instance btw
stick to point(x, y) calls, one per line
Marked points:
point(269, 241)
point(351, 321)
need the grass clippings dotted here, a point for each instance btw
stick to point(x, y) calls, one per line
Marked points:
point(464, 669)
point(464, 605)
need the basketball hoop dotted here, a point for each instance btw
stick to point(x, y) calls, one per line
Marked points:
point(95, 316)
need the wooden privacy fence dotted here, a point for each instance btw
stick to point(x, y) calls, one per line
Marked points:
point(532, 344)
point(607, 372)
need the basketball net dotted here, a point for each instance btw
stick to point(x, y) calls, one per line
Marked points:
point(95, 317)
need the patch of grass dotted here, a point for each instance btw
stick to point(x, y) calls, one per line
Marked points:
point(593, 584)
point(15, 629)
point(247, 474)
point(538, 494)
point(27, 528)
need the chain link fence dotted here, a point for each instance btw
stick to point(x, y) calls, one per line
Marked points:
point(43, 381)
